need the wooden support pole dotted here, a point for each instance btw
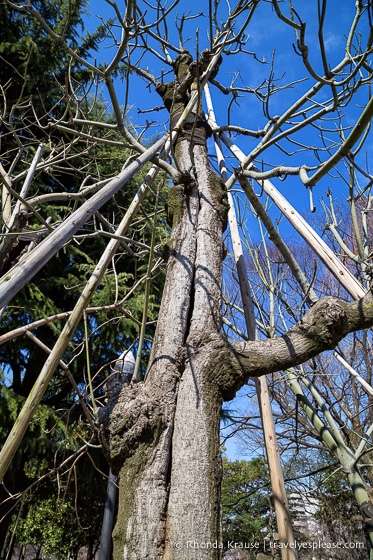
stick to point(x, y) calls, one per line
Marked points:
point(283, 517)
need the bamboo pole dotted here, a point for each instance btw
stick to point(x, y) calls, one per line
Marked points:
point(331, 435)
point(69, 375)
point(331, 261)
point(33, 261)
point(33, 400)
point(283, 517)
point(26, 185)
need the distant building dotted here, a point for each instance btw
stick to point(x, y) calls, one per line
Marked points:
point(304, 507)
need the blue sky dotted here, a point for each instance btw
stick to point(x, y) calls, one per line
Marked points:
point(268, 37)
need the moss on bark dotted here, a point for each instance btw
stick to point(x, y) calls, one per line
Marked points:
point(213, 402)
point(174, 205)
point(129, 480)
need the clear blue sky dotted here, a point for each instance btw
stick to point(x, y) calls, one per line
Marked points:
point(267, 37)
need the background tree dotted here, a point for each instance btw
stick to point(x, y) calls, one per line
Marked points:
point(246, 507)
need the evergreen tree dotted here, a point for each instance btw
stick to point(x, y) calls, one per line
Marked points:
point(246, 516)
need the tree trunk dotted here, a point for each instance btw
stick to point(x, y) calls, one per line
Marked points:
point(168, 481)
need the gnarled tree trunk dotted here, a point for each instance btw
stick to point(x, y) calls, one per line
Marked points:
point(169, 481)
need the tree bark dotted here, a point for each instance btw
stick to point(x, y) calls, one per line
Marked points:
point(151, 423)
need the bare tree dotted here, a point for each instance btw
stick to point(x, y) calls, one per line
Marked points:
point(162, 434)
point(325, 404)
